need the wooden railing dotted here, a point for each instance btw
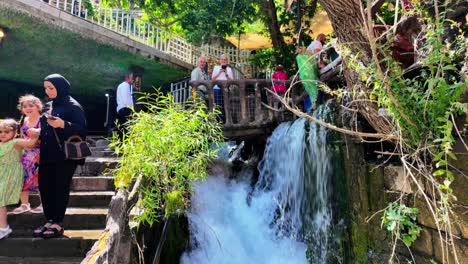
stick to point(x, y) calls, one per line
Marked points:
point(130, 24)
point(244, 104)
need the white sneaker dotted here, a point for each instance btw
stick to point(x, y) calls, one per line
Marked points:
point(5, 232)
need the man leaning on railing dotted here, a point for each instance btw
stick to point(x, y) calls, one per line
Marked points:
point(199, 74)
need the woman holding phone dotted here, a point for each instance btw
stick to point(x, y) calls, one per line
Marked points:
point(221, 72)
point(63, 117)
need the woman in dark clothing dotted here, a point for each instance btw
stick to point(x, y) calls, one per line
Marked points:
point(63, 117)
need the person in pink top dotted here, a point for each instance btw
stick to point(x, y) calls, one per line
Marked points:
point(279, 75)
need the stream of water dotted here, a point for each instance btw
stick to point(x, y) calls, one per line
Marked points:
point(285, 217)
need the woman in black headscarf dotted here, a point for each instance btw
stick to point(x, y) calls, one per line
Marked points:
point(63, 117)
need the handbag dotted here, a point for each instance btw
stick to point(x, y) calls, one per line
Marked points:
point(74, 148)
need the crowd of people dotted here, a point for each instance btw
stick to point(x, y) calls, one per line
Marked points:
point(32, 157)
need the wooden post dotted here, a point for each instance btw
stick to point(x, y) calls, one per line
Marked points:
point(105, 16)
point(259, 114)
point(209, 90)
point(243, 102)
point(227, 104)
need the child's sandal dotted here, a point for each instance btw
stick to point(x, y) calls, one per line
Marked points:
point(23, 208)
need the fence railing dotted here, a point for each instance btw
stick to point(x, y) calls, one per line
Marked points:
point(243, 104)
point(181, 91)
point(129, 23)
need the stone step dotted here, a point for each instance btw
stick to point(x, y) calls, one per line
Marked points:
point(90, 199)
point(75, 218)
point(103, 153)
point(93, 183)
point(71, 248)
point(97, 166)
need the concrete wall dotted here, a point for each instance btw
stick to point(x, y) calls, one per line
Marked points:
point(65, 20)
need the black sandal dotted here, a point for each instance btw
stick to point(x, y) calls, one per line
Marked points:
point(55, 233)
point(38, 232)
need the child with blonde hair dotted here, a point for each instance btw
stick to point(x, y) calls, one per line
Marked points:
point(11, 170)
point(31, 107)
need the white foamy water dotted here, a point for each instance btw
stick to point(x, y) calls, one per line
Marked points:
point(227, 230)
point(288, 205)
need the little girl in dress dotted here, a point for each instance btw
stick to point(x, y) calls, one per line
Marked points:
point(11, 170)
point(31, 107)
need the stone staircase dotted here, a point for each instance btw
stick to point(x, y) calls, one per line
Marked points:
point(92, 190)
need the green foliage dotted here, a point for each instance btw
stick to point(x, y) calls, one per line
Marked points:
point(174, 200)
point(429, 99)
point(268, 58)
point(422, 108)
point(197, 20)
point(401, 222)
point(288, 20)
point(170, 147)
point(386, 13)
point(91, 67)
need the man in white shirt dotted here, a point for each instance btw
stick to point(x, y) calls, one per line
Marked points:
point(124, 103)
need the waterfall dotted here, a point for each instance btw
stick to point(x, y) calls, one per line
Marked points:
point(286, 217)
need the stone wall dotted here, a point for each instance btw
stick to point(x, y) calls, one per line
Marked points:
point(65, 20)
point(372, 187)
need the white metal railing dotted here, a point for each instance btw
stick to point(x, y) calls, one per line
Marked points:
point(180, 90)
point(129, 24)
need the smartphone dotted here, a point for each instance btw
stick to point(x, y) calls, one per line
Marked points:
point(50, 117)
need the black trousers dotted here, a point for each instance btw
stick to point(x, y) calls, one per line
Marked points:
point(54, 184)
point(122, 117)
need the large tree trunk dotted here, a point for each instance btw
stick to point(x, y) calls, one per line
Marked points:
point(348, 24)
point(273, 26)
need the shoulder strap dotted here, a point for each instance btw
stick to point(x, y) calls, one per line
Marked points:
point(58, 140)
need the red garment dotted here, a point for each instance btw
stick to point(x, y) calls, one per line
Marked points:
point(403, 49)
point(279, 76)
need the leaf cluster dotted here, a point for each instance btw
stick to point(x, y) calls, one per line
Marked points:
point(197, 20)
point(422, 107)
point(401, 222)
point(427, 99)
point(170, 147)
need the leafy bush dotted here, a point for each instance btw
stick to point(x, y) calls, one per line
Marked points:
point(401, 222)
point(170, 147)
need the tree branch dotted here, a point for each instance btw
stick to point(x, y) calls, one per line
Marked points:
point(299, 113)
